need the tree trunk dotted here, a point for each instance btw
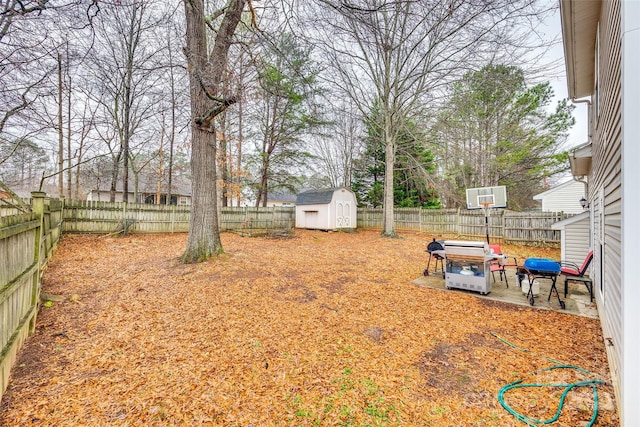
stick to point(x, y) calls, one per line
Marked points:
point(388, 220)
point(224, 169)
point(172, 136)
point(159, 183)
point(114, 176)
point(69, 156)
point(239, 155)
point(388, 225)
point(204, 234)
point(60, 133)
point(127, 134)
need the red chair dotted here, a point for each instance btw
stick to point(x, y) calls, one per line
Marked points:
point(573, 273)
point(501, 264)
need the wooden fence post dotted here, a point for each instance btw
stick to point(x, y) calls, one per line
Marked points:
point(37, 205)
point(173, 218)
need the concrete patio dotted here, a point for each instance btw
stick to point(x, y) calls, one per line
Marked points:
point(576, 302)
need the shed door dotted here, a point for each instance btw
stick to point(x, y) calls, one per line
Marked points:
point(343, 214)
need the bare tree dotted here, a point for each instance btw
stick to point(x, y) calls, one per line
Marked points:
point(339, 148)
point(173, 106)
point(25, 63)
point(126, 71)
point(85, 127)
point(398, 54)
point(30, 37)
point(206, 72)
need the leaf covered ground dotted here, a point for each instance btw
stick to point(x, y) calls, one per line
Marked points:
point(318, 329)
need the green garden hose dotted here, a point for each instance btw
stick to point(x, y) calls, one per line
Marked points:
point(593, 383)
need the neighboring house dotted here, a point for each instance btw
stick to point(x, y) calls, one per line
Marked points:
point(327, 209)
point(575, 239)
point(563, 198)
point(601, 43)
point(143, 197)
point(281, 198)
point(147, 193)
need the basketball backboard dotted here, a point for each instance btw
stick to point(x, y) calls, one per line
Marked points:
point(487, 197)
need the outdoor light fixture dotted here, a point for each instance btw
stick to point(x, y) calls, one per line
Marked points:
point(583, 203)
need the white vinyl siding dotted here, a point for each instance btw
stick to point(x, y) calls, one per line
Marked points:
point(576, 241)
point(605, 186)
point(629, 206)
point(563, 198)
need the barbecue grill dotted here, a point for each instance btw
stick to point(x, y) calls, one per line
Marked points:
point(541, 268)
point(436, 250)
point(468, 266)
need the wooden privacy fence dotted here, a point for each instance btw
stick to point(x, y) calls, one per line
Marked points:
point(506, 226)
point(525, 228)
point(27, 241)
point(81, 216)
point(106, 217)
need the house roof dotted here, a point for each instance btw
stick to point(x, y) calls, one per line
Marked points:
point(571, 220)
point(580, 160)
point(579, 27)
point(148, 184)
point(542, 195)
point(316, 197)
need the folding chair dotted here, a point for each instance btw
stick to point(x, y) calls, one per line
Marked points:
point(500, 264)
point(573, 273)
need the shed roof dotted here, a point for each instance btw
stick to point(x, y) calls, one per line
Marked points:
point(571, 220)
point(316, 197)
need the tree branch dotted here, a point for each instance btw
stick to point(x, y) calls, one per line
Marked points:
point(204, 121)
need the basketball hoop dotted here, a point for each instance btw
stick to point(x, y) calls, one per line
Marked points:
point(486, 198)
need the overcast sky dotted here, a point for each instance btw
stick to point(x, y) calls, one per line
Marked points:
point(579, 132)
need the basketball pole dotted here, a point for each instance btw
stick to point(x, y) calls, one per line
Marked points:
point(485, 208)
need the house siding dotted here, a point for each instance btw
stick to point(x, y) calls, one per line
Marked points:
point(576, 242)
point(630, 206)
point(566, 198)
point(605, 186)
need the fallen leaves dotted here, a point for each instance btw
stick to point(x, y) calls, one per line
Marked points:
point(319, 329)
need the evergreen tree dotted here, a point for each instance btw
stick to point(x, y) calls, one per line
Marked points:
point(496, 131)
point(288, 85)
point(412, 167)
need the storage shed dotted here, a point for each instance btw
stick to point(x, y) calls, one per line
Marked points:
point(575, 241)
point(327, 209)
point(564, 197)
